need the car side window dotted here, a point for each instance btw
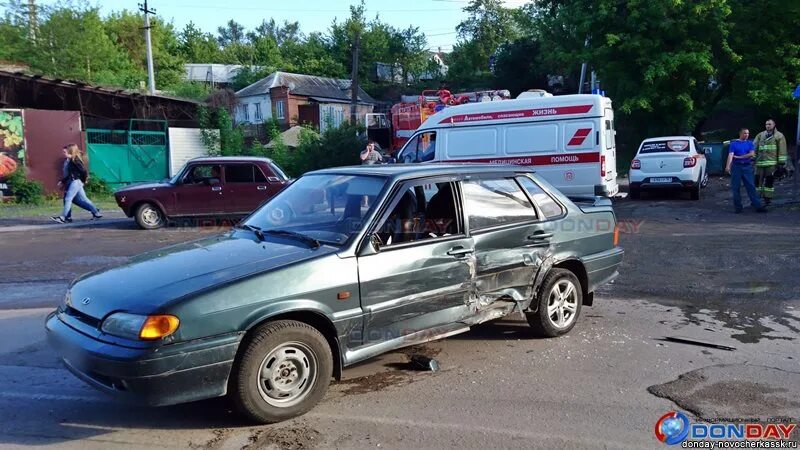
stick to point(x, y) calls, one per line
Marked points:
point(424, 211)
point(493, 202)
point(550, 208)
point(240, 173)
point(202, 173)
point(258, 175)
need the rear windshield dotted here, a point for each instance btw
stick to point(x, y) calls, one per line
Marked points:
point(664, 146)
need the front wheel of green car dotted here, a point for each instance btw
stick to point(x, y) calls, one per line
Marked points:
point(283, 372)
point(559, 304)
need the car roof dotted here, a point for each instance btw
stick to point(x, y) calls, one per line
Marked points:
point(224, 159)
point(408, 171)
point(667, 138)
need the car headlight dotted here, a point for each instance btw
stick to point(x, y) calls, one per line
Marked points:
point(135, 326)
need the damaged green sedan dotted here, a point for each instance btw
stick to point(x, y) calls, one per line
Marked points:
point(342, 265)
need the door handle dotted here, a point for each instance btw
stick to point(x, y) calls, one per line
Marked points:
point(261, 188)
point(539, 236)
point(460, 251)
point(216, 188)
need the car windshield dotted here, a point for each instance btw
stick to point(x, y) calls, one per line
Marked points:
point(664, 146)
point(328, 208)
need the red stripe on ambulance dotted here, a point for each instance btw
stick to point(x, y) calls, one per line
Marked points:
point(579, 136)
point(519, 114)
point(549, 160)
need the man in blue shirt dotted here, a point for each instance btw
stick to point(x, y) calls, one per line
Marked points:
point(740, 166)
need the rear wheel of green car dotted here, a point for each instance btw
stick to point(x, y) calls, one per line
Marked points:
point(283, 372)
point(559, 304)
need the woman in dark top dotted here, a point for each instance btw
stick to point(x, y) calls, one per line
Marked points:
point(73, 177)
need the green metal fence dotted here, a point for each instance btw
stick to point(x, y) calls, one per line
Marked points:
point(121, 157)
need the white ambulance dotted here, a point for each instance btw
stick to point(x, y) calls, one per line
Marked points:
point(569, 139)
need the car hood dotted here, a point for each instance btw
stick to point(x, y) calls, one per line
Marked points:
point(151, 280)
point(143, 186)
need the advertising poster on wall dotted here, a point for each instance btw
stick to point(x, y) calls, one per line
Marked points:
point(12, 146)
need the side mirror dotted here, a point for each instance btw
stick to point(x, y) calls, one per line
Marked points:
point(376, 242)
point(212, 181)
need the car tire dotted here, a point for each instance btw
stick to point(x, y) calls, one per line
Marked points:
point(635, 193)
point(149, 216)
point(282, 372)
point(704, 180)
point(551, 303)
point(694, 191)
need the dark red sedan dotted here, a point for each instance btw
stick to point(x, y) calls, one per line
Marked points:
point(204, 187)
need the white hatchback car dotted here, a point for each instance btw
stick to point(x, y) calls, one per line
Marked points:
point(675, 162)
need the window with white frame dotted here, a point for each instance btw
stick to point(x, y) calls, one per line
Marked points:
point(245, 113)
point(257, 115)
point(279, 109)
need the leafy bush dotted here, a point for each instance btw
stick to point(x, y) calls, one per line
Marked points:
point(97, 187)
point(25, 191)
point(335, 147)
point(190, 89)
point(218, 134)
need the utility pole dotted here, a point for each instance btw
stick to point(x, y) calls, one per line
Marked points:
point(151, 79)
point(354, 81)
point(33, 22)
point(583, 69)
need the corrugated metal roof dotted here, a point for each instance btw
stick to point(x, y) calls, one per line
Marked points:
point(306, 85)
point(89, 87)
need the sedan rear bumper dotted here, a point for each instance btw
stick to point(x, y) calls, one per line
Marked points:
point(166, 375)
point(676, 183)
point(602, 268)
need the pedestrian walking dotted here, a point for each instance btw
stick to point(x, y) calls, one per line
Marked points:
point(369, 155)
point(740, 166)
point(73, 177)
point(771, 156)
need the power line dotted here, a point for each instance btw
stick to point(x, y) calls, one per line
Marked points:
point(258, 8)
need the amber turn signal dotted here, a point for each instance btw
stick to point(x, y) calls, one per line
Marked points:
point(157, 327)
point(616, 234)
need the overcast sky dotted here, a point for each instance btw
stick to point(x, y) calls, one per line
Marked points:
point(436, 18)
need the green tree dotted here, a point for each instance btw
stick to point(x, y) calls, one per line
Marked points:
point(314, 56)
point(657, 60)
point(14, 43)
point(231, 34)
point(763, 35)
point(72, 44)
point(519, 68)
point(408, 49)
point(195, 46)
point(125, 30)
point(487, 28)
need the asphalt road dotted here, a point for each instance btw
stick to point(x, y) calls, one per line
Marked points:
point(692, 269)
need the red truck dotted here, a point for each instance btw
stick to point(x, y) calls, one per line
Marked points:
point(409, 114)
point(204, 187)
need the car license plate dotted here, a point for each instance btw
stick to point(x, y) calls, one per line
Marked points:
point(660, 180)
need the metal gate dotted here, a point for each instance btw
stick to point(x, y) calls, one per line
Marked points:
point(138, 154)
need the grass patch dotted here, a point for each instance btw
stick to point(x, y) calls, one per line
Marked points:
point(52, 207)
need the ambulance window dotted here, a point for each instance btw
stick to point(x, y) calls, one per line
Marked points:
point(546, 203)
point(610, 134)
point(420, 148)
point(526, 138)
point(478, 141)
